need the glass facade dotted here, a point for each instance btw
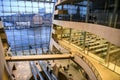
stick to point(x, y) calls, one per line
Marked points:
point(105, 12)
point(27, 25)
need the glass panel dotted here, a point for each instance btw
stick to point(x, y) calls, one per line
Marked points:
point(24, 23)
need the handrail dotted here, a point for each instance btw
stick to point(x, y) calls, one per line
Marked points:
point(67, 48)
point(33, 71)
point(37, 70)
point(43, 67)
point(61, 46)
point(91, 66)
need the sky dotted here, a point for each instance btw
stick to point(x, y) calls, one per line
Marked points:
point(9, 6)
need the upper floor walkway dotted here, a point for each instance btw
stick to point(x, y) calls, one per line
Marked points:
point(110, 34)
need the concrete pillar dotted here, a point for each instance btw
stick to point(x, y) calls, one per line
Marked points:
point(51, 41)
point(3, 64)
point(51, 44)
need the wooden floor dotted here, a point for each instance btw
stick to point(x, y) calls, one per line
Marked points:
point(39, 57)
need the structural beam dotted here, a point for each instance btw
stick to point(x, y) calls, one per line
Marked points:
point(39, 57)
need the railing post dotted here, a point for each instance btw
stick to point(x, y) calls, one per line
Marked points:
point(70, 34)
point(84, 45)
point(61, 32)
point(108, 55)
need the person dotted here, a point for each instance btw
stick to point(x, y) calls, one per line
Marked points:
point(38, 77)
point(60, 66)
point(70, 52)
point(82, 57)
point(94, 19)
point(51, 72)
point(47, 68)
point(13, 75)
point(70, 77)
point(64, 68)
point(14, 67)
point(68, 66)
point(30, 46)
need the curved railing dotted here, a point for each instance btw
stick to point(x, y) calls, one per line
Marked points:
point(67, 48)
point(91, 66)
point(60, 47)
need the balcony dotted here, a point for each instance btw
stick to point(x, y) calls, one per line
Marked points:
point(99, 18)
point(100, 30)
point(96, 12)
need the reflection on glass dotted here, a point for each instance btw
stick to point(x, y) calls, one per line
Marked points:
point(27, 25)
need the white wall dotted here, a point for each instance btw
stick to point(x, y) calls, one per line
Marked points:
point(110, 34)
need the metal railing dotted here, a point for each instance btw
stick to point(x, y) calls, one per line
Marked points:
point(91, 66)
point(88, 63)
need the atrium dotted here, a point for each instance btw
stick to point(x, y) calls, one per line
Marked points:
point(59, 40)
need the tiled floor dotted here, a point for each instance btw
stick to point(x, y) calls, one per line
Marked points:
point(23, 71)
